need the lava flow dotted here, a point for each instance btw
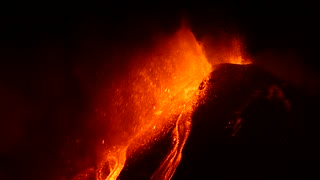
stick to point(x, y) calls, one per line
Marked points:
point(156, 97)
point(145, 105)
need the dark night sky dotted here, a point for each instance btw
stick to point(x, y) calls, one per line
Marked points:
point(50, 66)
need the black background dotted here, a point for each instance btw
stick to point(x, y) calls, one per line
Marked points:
point(51, 60)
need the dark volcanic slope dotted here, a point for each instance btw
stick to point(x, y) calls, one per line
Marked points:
point(251, 125)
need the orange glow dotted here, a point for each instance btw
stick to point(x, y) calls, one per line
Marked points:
point(236, 54)
point(159, 92)
point(225, 49)
point(163, 85)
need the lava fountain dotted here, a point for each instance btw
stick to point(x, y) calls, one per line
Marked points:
point(156, 97)
point(148, 102)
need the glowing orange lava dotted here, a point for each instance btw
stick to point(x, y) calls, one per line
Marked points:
point(236, 54)
point(145, 104)
point(225, 49)
point(159, 92)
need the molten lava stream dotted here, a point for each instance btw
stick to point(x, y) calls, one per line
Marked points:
point(145, 104)
point(180, 134)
